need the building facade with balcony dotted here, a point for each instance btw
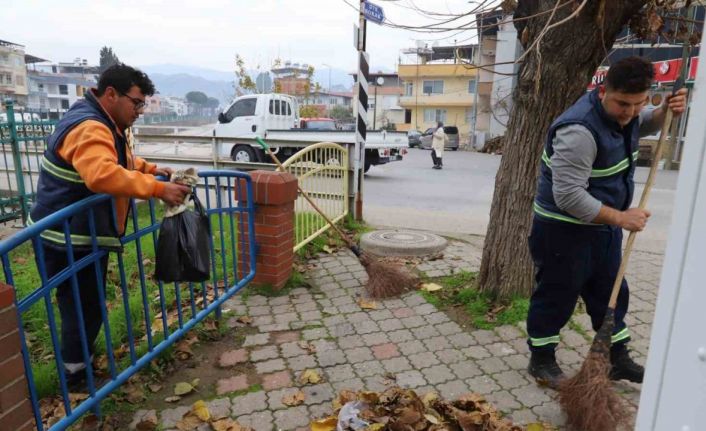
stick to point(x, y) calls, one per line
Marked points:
point(55, 92)
point(13, 73)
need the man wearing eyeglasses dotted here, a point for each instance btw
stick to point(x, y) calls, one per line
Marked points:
point(88, 154)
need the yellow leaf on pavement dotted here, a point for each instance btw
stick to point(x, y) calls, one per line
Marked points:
point(367, 305)
point(431, 287)
point(309, 376)
point(537, 427)
point(374, 427)
point(328, 249)
point(294, 399)
point(183, 388)
point(326, 424)
point(199, 408)
point(227, 424)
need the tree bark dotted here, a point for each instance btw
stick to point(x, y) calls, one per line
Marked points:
point(547, 85)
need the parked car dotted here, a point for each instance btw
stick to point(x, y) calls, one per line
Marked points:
point(451, 132)
point(413, 136)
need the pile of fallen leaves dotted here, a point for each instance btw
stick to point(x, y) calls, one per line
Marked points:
point(398, 409)
point(200, 415)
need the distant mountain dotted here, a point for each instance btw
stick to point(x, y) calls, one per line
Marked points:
point(174, 69)
point(181, 83)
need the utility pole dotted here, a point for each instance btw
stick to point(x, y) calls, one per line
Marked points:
point(361, 114)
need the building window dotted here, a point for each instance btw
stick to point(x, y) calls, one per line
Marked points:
point(371, 106)
point(472, 85)
point(434, 115)
point(63, 89)
point(64, 104)
point(434, 87)
point(5, 78)
point(409, 89)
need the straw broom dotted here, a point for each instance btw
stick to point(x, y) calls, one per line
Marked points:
point(384, 280)
point(588, 398)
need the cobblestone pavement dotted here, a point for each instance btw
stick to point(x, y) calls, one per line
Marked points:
point(358, 348)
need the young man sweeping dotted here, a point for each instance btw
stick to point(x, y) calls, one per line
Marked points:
point(582, 205)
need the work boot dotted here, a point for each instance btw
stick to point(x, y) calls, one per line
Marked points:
point(624, 367)
point(77, 382)
point(545, 370)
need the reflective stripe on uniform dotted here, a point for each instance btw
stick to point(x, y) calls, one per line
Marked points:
point(620, 336)
point(598, 173)
point(538, 342)
point(81, 240)
point(61, 173)
point(561, 217)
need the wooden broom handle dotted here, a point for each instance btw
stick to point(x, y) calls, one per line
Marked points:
point(643, 203)
point(306, 196)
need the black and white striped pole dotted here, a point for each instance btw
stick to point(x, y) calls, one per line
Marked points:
point(361, 115)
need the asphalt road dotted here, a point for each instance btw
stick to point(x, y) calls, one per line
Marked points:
point(457, 199)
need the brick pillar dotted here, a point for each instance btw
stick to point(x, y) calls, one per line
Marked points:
point(15, 407)
point(274, 196)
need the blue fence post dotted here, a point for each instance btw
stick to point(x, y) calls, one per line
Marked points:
point(15, 407)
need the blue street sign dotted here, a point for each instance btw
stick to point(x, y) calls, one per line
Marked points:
point(373, 12)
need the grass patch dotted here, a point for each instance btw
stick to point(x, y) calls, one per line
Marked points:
point(579, 329)
point(248, 390)
point(460, 292)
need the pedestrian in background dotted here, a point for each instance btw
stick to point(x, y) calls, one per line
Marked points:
point(439, 140)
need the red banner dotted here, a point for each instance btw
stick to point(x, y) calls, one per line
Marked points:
point(665, 72)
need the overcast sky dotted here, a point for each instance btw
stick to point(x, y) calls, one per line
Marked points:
point(208, 33)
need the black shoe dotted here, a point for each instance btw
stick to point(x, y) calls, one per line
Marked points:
point(77, 383)
point(545, 370)
point(624, 367)
point(436, 167)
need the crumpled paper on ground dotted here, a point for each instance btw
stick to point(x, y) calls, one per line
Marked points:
point(188, 177)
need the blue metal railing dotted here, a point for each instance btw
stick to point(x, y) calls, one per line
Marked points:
point(228, 203)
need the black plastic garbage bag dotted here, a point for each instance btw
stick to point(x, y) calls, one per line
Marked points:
point(183, 246)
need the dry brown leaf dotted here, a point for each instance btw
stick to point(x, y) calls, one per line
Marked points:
point(367, 305)
point(369, 397)
point(431, 287)
point(134, 394)
point(154, 388)
point(146, 424)
point(201, 410)
point(247, 320)
point(309, 376)
point(189, 422)
point(227, 424)
point(326, 424)
point(433, 419)
point(89, 423)
point(307, 346)
point(173, 399)
point(294, 399)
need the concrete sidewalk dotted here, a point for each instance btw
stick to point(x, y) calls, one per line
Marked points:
point(406, 337)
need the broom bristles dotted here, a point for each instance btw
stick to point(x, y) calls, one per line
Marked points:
point(387, 280)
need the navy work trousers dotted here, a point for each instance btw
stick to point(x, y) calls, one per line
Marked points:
point(88, 285)
point(571, 261)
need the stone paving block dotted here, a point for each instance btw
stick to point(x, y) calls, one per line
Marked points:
point(366, 327)
point(351, 341)
point(279, 301)
point(385, 351)
point(500, 349)
point(274, 398)
point(369, 368)
point(485, 337)
point(260, 421)
point(423, 360)
point(233, 357)
point(392, 304)
point(348, 284)
point(256, 340)
point(286, 318)
point(449, 356)
point(413, 322)
point(285, 337)
point(280, 379)
point(436, 273)
point(314, 334)
point(309, 316)
point(169, 417)
point(270, 366)
point(349, 308)
point(531, 395)
point(376, 383)
point(264, 353)
point(569, 357)
point(572, 338)
point(330, 358)
point(359, 354)
point(465, 369)
point(461, 340)
point(414, 299)
point(504, 401)
point(248, 403)
point(410, 379)
point(401, 335)
point(448, 328)
point(390, 325)
point(338, 269)
point(324, 345)
point(452, 390)
point(292, 418)
point(375, 338)
point(306, 306)
point(317, 394)
point(320, 411)
point(219, 408)
point(343, 300)
point(265, 329)
point(492, 365)
point(424, 309)
point(516, 362)
point(438, 374)
point(299, 363)
point(436, 344)
point(510, 379)
point(232, 384)
point(437, 318)
point(403, 312)
point(339, 373)
point(426, 331)
point(143, 415)
point(345, 276)
point(509, 332)
point(476, 352)
point(282, 309)
point(360, 316)
point(378, 315)
point(351, 385)
point(396, 365)
point(263, 320)
point(260, 310)
point(482, 385)
point(342, 330)
point(520, 345)
point(550, 412)
point(332, 321)
point(523, 417)
point(291, 349)
point(411, 347)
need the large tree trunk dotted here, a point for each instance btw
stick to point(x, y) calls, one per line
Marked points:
point(547, 85)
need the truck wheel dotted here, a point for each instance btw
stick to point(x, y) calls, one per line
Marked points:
point(367, 166)
point(244, 153)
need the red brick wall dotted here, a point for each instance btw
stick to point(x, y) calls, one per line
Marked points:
point(15, 407)
point(274, 196)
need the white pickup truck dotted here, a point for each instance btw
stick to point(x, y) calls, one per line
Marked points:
point(276, 117)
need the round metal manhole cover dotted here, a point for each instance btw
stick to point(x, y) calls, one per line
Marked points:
point(400, 242)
